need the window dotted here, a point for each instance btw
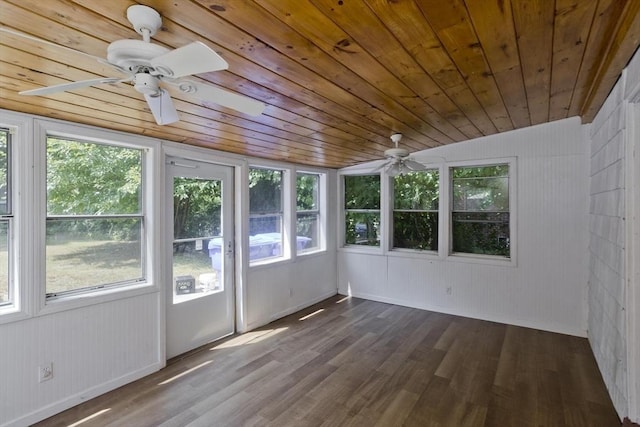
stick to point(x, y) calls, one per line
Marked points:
point(308, 212)
point(362, 209)
point(480, 210)
point(95, 219)
point(415, 210)
point(265, 213)
point(6, 292)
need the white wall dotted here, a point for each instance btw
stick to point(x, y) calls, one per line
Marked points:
point(545, 288)
point(98, 347)
point(612, 189)
point(276, 290)
point(93, 349)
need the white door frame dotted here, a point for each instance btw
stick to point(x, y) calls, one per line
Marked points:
point(226, 301)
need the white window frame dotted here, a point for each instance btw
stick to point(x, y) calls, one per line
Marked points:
point(286, 184)
point(383, 214)
point(321, 212)
point(392, 209)
point(20, 127)
point(151, 205)
point(446, 205)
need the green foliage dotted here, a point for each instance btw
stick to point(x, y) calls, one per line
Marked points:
point(86, 178)
point(417, 191)
point(307, 191)
point(362, 192)
point(481, 188)
point(92, 179)
point(265, 190)
point(197, 205)
point(480, 221)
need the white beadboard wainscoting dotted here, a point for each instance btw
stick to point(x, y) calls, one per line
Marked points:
point(546, 287)
point(93, 349)
point(275, 291)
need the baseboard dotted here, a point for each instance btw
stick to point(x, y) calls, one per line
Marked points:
point(543, 326)
point(290, 310)
point(76, 399)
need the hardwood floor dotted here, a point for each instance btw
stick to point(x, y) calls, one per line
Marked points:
point(353, 362)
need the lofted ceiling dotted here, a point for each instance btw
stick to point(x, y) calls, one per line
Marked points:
point(338, 77)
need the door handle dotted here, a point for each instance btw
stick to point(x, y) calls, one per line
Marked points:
point(229, 250)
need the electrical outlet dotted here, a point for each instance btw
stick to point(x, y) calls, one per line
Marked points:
point(45, 372)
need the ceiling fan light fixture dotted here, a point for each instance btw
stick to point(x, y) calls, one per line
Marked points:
point(146, 84)
point(394, 170)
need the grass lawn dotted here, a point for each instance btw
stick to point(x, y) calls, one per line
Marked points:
point(75, 264)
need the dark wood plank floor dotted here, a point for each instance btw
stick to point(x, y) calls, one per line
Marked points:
point(362, 363)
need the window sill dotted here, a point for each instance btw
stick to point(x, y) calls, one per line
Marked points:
point(11, 313)
point(311, 254)
point(371, 250)
point(413, 253)
point(482, 259)
point(71, 302)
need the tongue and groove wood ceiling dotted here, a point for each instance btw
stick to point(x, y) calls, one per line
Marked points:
point(338, 77)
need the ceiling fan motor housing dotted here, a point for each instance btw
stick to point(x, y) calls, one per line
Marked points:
point(131, 55)
point(396, 153)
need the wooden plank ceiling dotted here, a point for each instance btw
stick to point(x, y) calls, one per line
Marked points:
point(338, 76)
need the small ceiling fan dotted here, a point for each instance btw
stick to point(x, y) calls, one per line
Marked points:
point(398, 160)
point(147, 65)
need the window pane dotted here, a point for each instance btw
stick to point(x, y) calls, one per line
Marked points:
point(307, 192)
point(362, 191)
point(307, 232)
point(89, 253)
point(92, 179)
point(481, 233)
point(197, 207)
point(481, 188)
point(4, 262)
point(4, 173)
point(265, 190)
point(416, 190)
point(362, 228)
point(415, 230)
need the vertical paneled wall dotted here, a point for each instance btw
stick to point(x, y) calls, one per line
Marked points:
point(93, 350)
point(607, 300)
point(279, 289)
point(546, 287)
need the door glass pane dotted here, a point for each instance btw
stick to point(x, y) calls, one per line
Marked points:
point(198, 245)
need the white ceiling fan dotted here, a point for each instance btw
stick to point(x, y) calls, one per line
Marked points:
point(398, 160)
point(147, 65)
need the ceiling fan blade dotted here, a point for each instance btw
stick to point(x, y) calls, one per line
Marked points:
point(413, 165)
point(210, 93)
point(71, 86)
point(162, 107)
point(379, 167)
point(194, 58)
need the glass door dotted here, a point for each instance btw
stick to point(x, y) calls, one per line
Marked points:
point(200, 305)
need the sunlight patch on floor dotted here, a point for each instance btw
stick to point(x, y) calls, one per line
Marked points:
point(249, 338)
point(182, 374)
point(311, 314)
point(89, 418)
